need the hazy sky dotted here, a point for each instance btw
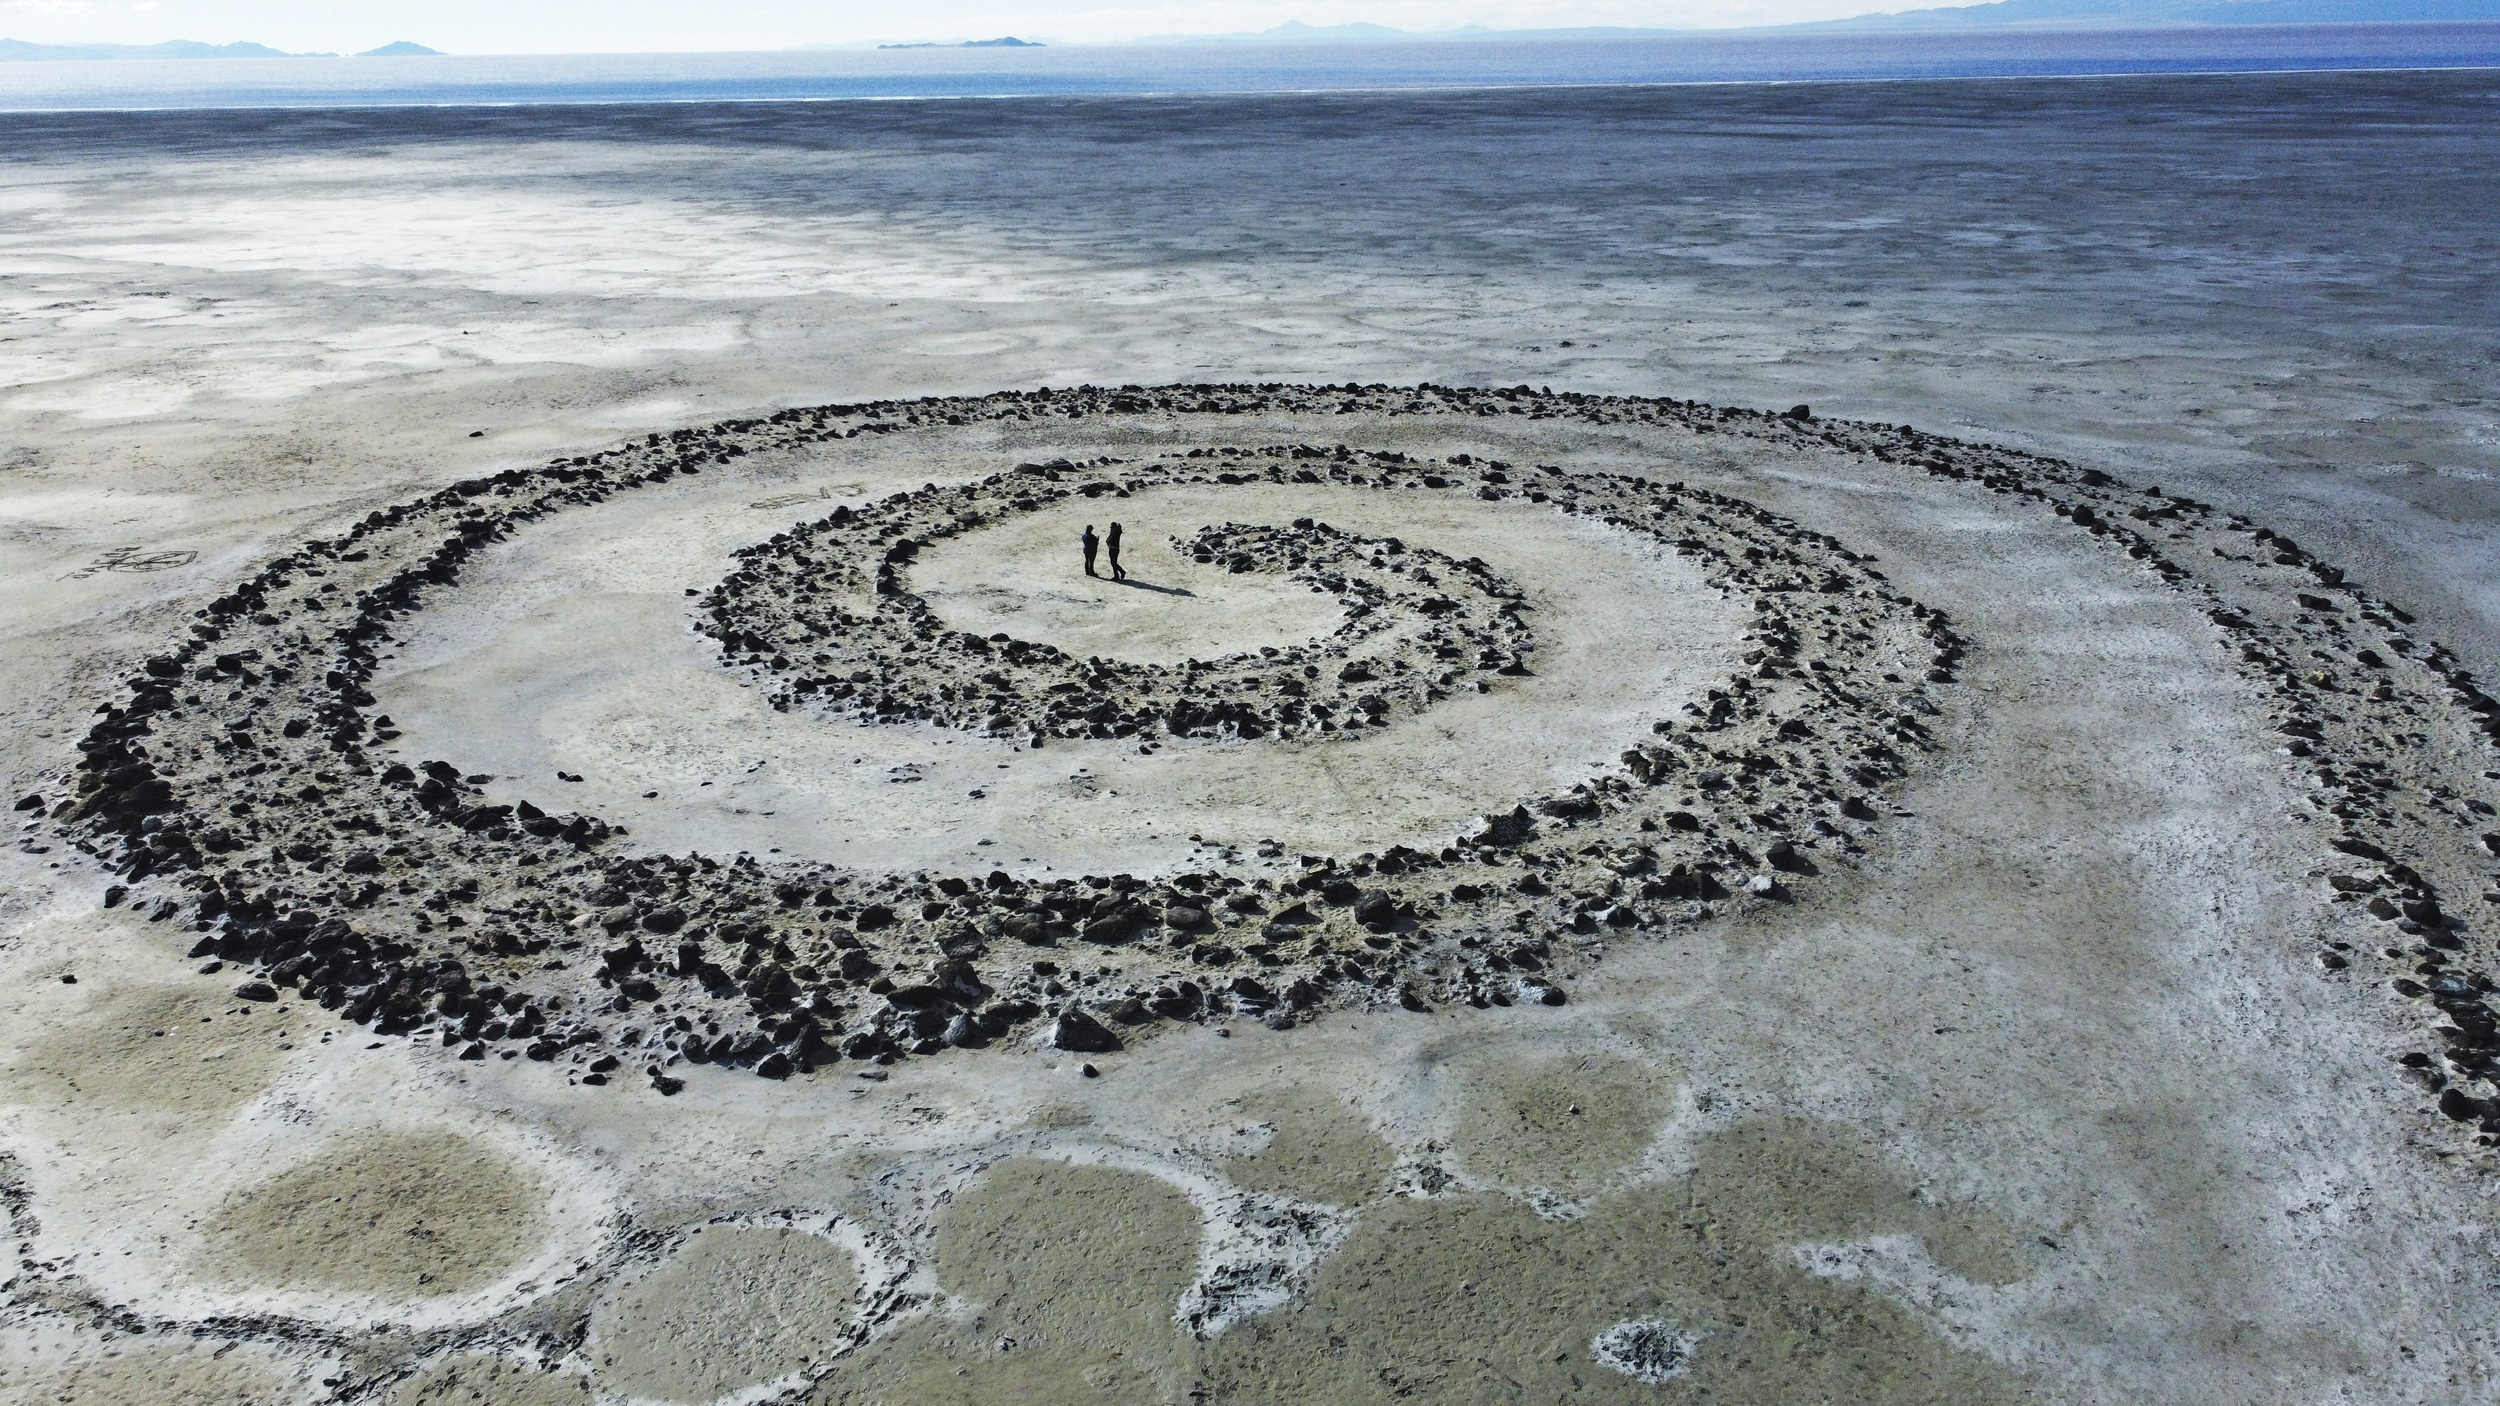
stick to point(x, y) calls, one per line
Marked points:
point(576, 26)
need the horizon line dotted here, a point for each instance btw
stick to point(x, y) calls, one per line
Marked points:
point(1460, 34)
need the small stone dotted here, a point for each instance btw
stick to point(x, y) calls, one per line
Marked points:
point(256, 991)
point(1090, 1072)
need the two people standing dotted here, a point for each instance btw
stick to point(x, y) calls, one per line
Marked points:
point(1090, 542)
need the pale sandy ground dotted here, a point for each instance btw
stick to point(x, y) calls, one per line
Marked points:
point(2046, 1103)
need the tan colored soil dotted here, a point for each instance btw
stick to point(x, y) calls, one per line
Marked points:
point(731, 1307)
point(1568, 1125)
point(136, 1372)
point(1318, 1149)
point(477, 1379)
point(1475, 1299)
point(412, 1214)
point(1062, 1280)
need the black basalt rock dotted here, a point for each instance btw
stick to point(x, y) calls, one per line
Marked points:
point(1079, 1033)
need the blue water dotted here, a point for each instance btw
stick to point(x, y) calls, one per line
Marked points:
point(967, 73)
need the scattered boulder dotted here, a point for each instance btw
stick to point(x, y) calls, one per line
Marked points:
point(1079, 1033)
point(1504, 831)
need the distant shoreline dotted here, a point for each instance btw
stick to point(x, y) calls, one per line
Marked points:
point(2036, 17)
point(20, 51)
point(952, 74)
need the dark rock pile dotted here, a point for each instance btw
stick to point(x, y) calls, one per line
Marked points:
point(234, 787)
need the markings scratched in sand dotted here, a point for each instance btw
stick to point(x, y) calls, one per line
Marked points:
point(792, 500)
point(133, 559)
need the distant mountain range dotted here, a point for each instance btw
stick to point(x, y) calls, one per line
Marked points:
point(18, 51)
point(2043, 14)
point(1296, 32)
point(2002, 14)
point(2157, 14)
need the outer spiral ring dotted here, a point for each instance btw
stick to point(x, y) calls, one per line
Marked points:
point(236, 822)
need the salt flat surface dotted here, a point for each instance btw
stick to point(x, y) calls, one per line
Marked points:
point(585, 672)
point(2050, 1098)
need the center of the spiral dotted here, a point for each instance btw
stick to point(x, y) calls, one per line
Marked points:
point(834, 617)
point(1025, 577)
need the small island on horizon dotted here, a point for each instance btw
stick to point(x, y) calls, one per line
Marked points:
point(1004, 42)
point(20, 51)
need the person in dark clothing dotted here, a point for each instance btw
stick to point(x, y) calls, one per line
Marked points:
point(1113, 542)
point(1090, 543)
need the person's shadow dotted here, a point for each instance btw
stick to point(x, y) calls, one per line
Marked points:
point(1134, 583)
